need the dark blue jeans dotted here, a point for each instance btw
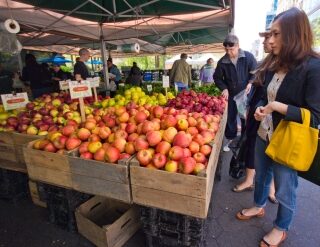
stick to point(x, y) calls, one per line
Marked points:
point(231, 127)
point(286, 183)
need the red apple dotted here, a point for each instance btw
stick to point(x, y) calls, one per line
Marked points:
point(169, 134)
point(140, 144)
point(158, 111)
point(68, 130)
point(199, 168)
point(99, 154)
point(83, 147)
point(176, 153)
point(140, 117)
point(129, 148)
point(124, 156)
point(144, 157)
point(159, 160)
point(153, 137)
point(182, 139)
point(199, 157)
point(186, 152)
point(72, 143)
point(104, 132)
point(163, 147)
point(132, 137)
point(120, 144)
point(50, 148)
point(112, 154)
point(194, 147)
point(60, 142)
point(86, 155)
point(205, 149)
point(187, 165)
point(131, 128)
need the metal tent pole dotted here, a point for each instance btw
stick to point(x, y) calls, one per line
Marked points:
point(104, 62)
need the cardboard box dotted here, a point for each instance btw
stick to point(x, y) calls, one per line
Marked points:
point(106, 222)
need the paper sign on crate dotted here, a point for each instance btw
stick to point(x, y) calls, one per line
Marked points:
point(80, 89)
point(11, 101)
point(64, 85)
point(94, 82)
point(165, 81)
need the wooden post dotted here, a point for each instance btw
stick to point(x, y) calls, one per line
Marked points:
point(95, 94)
point(82, 110)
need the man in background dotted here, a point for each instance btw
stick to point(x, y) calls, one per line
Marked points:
point(233, 74)
point(181, 71)
point(80, 69)
point(206, 72)
point(6, 81)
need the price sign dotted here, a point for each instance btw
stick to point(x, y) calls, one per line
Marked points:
point(165, 81)
point(149, 88)
point(64, 85)
point(80, 89)
point(11, 101)
point(94, 82)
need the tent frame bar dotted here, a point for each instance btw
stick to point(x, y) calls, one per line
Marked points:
point(195, 4)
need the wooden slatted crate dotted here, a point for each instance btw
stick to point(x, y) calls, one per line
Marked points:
point(11, 150)
point(176, 192)
point(35, 196)
point(50, 168)
point(106, 222)
point(101, 178)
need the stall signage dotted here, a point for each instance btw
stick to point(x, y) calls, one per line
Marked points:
point(94, 82)
point(80, 89)
point(64, 85)
point(14, 101)
point(165, 81)
point(149, 88)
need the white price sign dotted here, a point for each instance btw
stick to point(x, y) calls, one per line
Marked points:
point(64, 85)
point(11, 101)
point(149, 88)
point(165, 81)
point(94, 82)
point(80, 89)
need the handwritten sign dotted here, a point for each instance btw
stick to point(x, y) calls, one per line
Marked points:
point(165, 81)
point(80, 89)
point(11, 101)
point(64, 85)
point(94, 82)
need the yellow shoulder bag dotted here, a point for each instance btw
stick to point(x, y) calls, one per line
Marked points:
point(293, 144)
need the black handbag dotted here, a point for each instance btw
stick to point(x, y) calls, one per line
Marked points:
point(313, 174)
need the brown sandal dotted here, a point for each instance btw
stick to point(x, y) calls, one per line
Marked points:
point(264, 243)
point(237, 190)
point(241, 216)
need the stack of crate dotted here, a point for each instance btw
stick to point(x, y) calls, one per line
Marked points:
point(13, 185)
point(62, 204)
point(164, 228)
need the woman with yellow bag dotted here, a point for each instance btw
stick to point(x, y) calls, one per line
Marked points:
point(291, 79)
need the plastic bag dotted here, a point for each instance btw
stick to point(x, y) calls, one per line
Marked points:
point(241, 100)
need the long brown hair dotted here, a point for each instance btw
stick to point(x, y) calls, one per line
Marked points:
point(297, 41)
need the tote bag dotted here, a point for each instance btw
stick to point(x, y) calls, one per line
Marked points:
point(293, 144)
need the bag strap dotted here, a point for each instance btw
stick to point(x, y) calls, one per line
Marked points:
point(306, 115)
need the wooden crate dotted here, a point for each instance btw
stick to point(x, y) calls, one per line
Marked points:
point(11, 150)
point(34, 193)
point(106, 222)
point(101, 178)
point(50, 168)
point(8, 158)
point(176, 192)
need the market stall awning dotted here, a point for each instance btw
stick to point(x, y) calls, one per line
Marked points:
point(154, 24)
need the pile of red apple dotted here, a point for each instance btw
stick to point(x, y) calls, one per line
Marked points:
point(198, 102)
point(162, 138)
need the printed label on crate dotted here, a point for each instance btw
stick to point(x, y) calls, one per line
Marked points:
point(165, 81)
point(94, 82)
point(149, 88)
point(14, 101)
point(64, 85)
point(80, 89)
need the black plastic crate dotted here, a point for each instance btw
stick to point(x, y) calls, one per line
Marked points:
point(13, 185)
point(171, 241)
point(61, 204)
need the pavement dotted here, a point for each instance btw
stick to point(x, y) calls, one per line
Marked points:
point(22, 224)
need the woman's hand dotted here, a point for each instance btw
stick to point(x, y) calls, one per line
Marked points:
point(259, 115)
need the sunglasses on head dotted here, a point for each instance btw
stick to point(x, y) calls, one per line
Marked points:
point(229, 44)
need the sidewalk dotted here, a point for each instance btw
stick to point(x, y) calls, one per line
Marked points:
point(24, 225)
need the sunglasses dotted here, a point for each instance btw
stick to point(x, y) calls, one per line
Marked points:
point(229, 44)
